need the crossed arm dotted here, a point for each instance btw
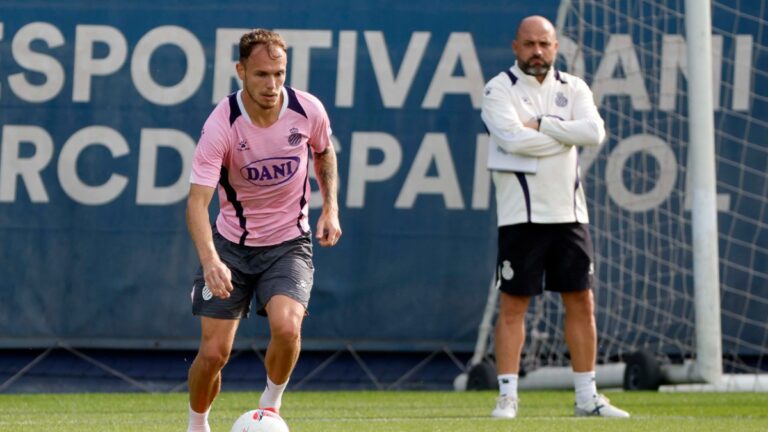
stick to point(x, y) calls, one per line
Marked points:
point(541, 136)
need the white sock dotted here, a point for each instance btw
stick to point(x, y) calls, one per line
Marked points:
point(508, 385)
point(198, 422)
point(586, 390)
point(273, 395)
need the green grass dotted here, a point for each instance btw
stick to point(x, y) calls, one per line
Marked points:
point(388, 411)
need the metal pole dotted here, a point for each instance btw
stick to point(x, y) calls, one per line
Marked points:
point(701, 163)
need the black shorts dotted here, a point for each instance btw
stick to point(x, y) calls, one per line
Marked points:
point(533, 257)
point(258, 273)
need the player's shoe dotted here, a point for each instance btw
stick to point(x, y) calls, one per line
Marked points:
point(272, 410)
point(599, 406)
point(506, 407)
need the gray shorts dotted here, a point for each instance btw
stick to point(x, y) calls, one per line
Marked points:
point(258, 273)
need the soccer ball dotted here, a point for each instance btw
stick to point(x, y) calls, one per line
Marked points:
point(260, 421)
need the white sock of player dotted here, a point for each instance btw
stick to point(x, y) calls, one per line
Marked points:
point(198, 422)
point(273, 395)
point(508, 385)
point(586, 390)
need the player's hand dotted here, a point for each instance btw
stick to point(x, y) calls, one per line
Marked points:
point(533, 123)
point(218, 278)
point(328, 229)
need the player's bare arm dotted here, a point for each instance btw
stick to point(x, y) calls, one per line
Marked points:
point(326, 172)
point(217, 275)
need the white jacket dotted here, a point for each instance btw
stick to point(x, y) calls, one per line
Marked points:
point(569, 119)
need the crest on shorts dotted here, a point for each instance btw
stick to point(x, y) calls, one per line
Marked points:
point(506, 270)
point(295, 137)
point(207, 294)
point(561, 100)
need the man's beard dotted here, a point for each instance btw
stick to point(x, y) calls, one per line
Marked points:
point(538, 70)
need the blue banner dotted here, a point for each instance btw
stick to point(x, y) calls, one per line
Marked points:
point(100, 109)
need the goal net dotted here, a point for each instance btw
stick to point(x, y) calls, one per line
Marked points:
point(633, 54)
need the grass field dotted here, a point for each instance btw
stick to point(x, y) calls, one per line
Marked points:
point(387, 411)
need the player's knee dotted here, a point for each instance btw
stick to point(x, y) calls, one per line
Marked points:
point(580, 303)
point(513, 309)
point(214, 357)
point(511, 319)
point(286, 331)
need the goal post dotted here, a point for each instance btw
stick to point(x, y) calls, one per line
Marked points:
point(701, 163)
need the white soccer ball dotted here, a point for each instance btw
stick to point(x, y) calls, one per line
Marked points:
point(259, 420)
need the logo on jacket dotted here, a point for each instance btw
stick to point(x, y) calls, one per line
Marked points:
point(561, 100)
point(295, 137)
point(271, 171)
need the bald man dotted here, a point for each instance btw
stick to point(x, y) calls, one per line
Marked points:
point(538, 112)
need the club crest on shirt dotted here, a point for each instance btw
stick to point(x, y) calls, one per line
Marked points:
point(271, 171)
point(561, 100)
point(295, 137)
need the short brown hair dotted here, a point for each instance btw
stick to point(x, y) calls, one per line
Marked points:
point(260, 37)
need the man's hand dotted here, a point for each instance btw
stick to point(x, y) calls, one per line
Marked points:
point(218, 278)
point(328, 228)
point(533, 123)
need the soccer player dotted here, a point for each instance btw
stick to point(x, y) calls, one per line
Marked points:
point(255, 148)
point(534, 110)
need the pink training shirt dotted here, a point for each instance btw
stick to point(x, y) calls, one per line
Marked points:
point(262, 174)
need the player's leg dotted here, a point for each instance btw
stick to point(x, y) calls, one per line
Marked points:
point(219, 320)
point(285, 318)
point(510, 332)
point(509, 339)
point(205, 373)
point(581, 338)
point(580, 330)
point(519, 271)
point(570, 271)
point(283, 296)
